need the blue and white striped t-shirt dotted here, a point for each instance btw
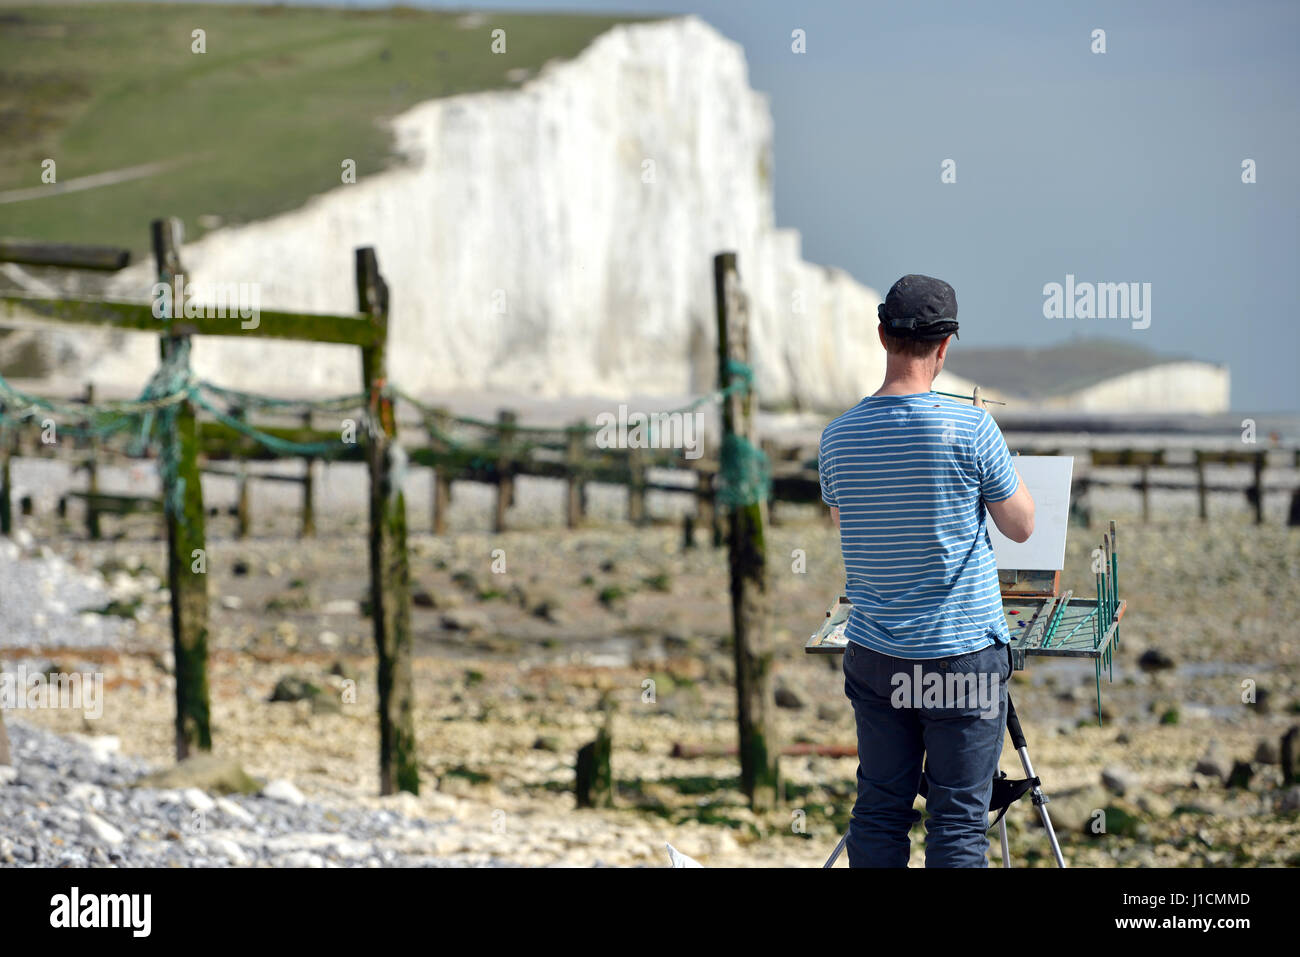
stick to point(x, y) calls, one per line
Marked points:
point(910, 475)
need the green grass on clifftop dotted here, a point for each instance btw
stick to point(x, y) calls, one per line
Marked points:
point(251, 128)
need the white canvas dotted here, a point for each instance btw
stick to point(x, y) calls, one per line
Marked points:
point(1048, 480)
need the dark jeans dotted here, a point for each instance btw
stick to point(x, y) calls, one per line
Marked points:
point(958, 734)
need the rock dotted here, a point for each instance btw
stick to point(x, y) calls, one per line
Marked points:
point(8, 775)
point(302, 859)
point(1075, 811)
point(343, 669)
point(1240, 775)
point(1213, 763)
point(100, 745)
point(1267, 752)
point(96, 828)
point(88, 795)
point(467, 620)
point(1153, 805)
point(284, 791)
point(239, 568)
point(550, 610)
point(1124, 820)
point(1119, 780)
point(197, 800)
point(232, 602)
point(546, 743)
point(341, 606)
point(227, 848)
point(326, 704)
point(1289, 800)
point(1154, 659)
point(208, 772)
point(294, 688)
point(829, 712)
point(234, 811)
point(423, 598)
point(786, 698)
point(446, 803)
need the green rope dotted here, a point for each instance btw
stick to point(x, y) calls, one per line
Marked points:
point(744, 472)
point(252, 400)
point(280, 446)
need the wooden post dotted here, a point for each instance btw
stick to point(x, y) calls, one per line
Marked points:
point(241, 488)
point(186, 545)
point(6, 487)
point(770, 450)
point(636, 486)
point(759, 749)
point(505, 478)
point(593, 773)
point(1202, 493)
point(1258, 493)
point(1287, 755)
point(92, 469)
point(574, 486)
point(390, 581)
point(706, 508)
point(1145, 488)
point(441, 478)
point(308, 528)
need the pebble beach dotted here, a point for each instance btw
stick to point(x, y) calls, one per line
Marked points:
point(512, 665)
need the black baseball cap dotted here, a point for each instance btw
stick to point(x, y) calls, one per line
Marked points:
point(919, 307)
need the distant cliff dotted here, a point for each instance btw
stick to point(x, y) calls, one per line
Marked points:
point(555, 239)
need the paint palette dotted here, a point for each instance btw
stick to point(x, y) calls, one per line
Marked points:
point(1044, 626)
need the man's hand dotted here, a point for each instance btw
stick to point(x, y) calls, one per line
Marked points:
point(835, 516)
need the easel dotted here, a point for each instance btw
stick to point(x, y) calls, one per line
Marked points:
point(1042, 623)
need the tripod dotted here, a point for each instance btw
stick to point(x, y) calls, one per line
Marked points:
point(1005, 793)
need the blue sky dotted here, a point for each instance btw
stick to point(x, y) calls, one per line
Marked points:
point(1115, 167)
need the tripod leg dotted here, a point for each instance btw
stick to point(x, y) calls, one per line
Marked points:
point(1002, 835)
point(1036, 793)
point(835, 854)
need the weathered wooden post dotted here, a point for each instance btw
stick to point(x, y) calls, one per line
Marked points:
point(505, 467)
point(390, 582)
point(747, 548)
point(573, 448)
point(439, 421)
point(593, 770)
point(6, 487)
point(242, 505)
point(184, 518)
point(1202, 494)
point(92, 469)
point(705, 506)
point(308, 528)
point(636, 479)
point(1258, 493)
point(1144, 486)
point(1293, 516)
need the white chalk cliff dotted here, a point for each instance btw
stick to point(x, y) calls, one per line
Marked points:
point(556, 238)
